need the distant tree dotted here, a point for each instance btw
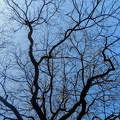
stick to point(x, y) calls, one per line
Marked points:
point(66, 65)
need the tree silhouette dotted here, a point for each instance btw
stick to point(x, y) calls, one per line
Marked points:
point(66, 65)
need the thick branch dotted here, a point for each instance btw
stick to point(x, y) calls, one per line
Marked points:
point(15, 111)
point(36, 76)
point(86, 89)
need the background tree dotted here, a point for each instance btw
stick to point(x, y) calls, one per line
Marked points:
point(66, 65)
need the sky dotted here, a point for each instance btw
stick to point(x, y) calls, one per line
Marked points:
point(19, 36)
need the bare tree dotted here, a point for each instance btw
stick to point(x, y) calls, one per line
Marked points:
point(68, 65)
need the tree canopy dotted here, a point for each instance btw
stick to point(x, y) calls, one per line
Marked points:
point(60, 60)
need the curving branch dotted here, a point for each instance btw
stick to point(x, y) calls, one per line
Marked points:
point(86, 89)
point(36, 76)
point(13, 109)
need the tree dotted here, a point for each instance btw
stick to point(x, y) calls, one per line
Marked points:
point(67, 65)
